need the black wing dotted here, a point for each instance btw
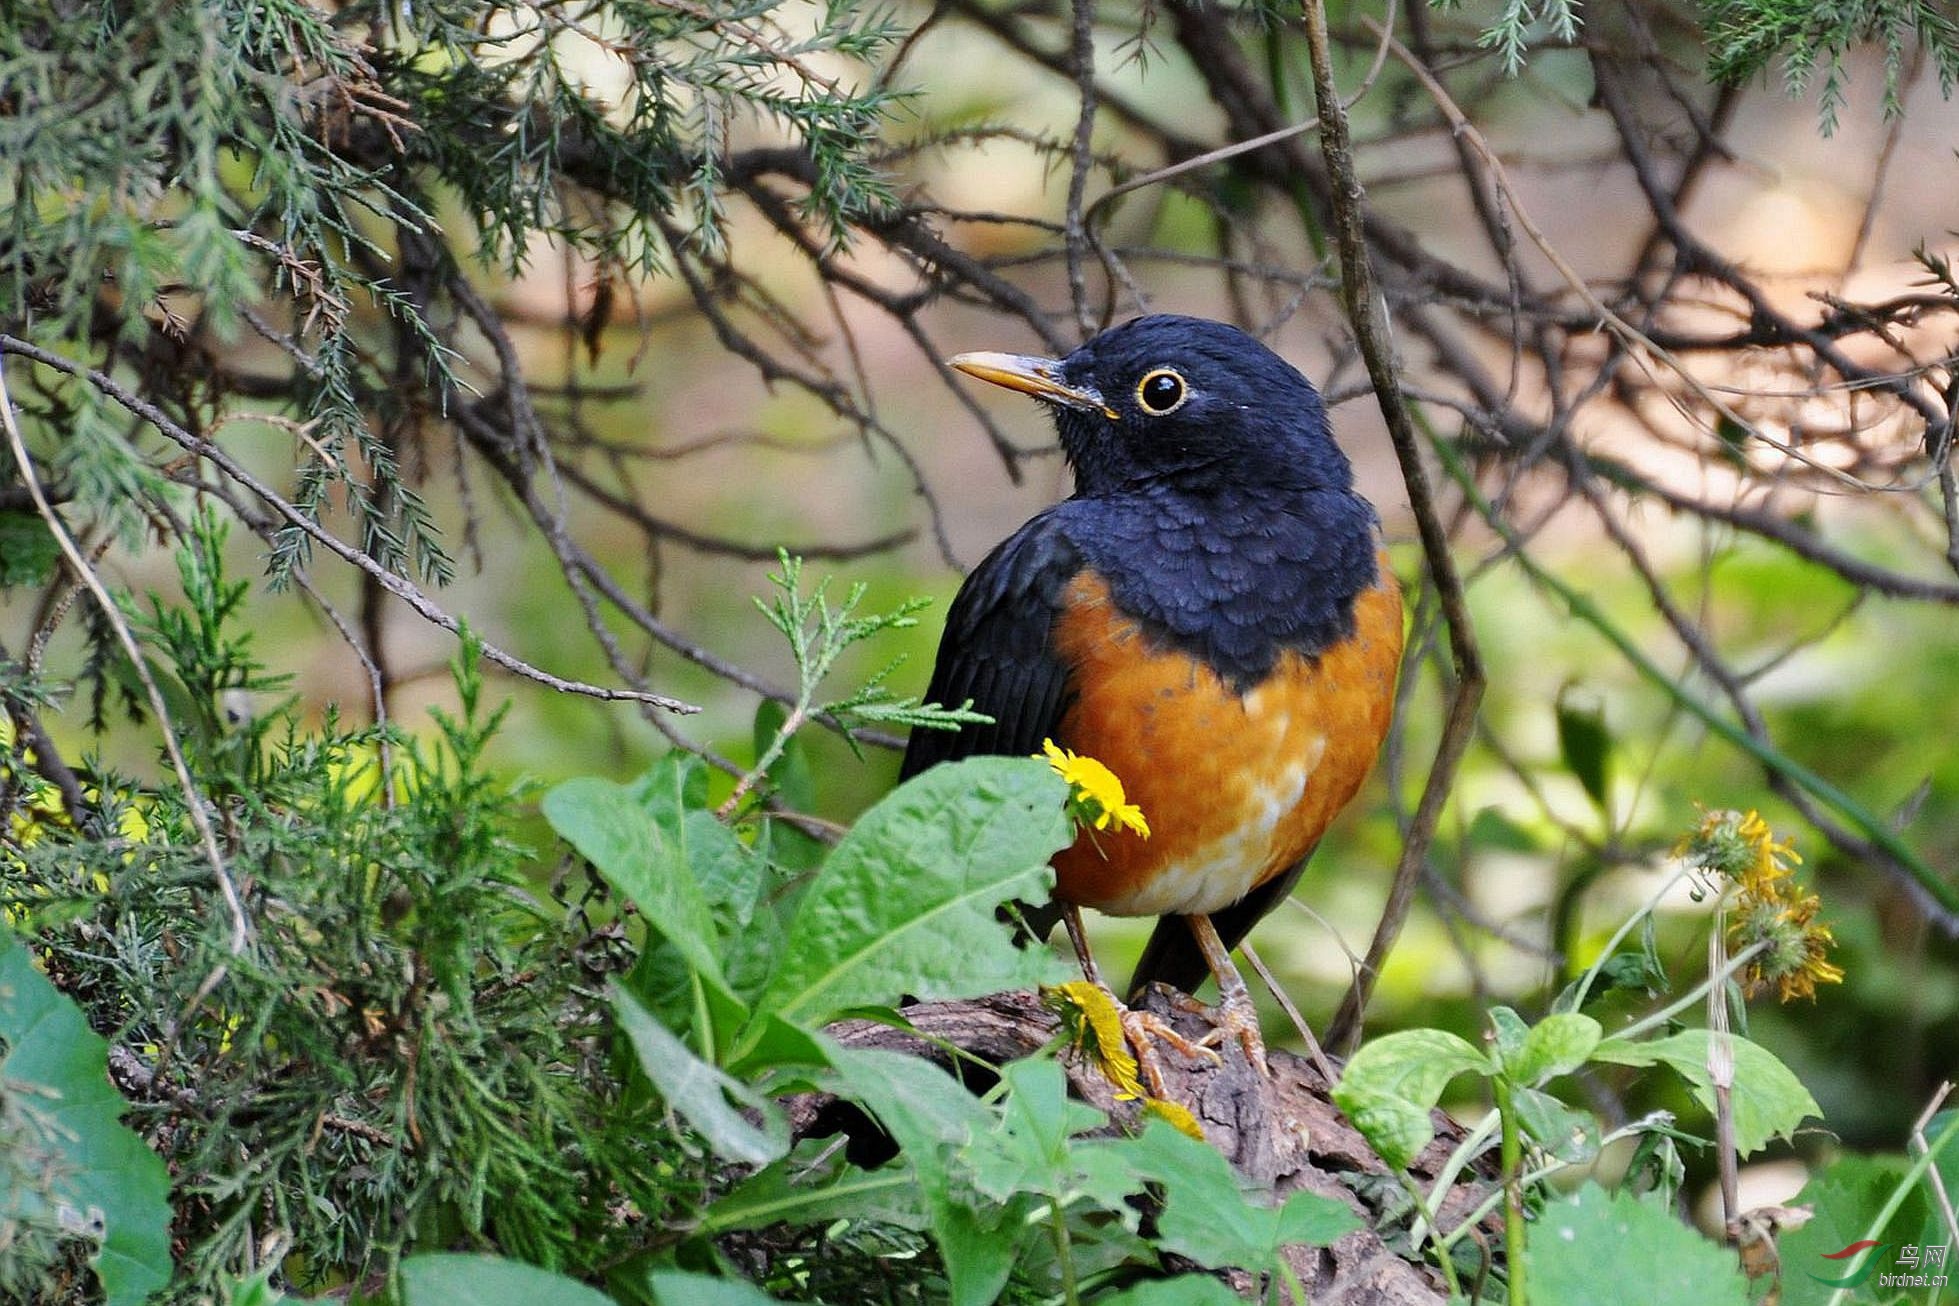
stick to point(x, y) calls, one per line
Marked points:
point(998, 649)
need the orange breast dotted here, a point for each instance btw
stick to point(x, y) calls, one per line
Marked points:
point(1235, 788)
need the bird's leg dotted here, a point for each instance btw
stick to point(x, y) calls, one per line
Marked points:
point(1138, 1027)
point(1071, 916)
point(1236, 1014)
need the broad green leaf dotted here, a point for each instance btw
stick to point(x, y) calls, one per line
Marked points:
point(1184, 1290)
point(905, 904)
point(1208, 1216)
point(611, 826)
point(1769, 1101)
point(1031, 1151)
point(1565, 1132)
point(1393, 1082)
point(678, 1288)
point(815, 1185)
point(614, 828)
point(732, 880)
point(674, 793)
point(1596, 1248)
point(1509, 1030)
point(774, 1043)
point(926, 1110)
point(700, 1093)
point(931, 1116)
point(464, 1279)
point(1556, 1045)
point(107, 1180)
point(1846, 1196)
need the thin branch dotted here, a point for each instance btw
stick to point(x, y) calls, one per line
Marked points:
point(396, 585)
point(241, 929)
point(1371, 332)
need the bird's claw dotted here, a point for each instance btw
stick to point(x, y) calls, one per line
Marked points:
point(1239, 1019)
point(1143, 1030)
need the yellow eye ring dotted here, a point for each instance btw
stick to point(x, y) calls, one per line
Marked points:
point(1161, 391)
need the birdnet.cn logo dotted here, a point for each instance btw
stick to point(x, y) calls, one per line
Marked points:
point(1915, 1266)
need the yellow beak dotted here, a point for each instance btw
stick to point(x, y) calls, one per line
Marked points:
point(1039, 377)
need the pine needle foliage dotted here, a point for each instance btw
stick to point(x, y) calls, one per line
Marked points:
point(179, 174)
point(1811, 41)
point(409, 1049)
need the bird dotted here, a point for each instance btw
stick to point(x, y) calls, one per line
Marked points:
point(1210, 614)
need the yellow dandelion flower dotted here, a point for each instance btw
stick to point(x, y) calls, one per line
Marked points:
point(1090, 1013)
point(1096, 792)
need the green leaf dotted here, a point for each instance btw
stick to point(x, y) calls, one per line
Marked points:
point(1596, 1248)
point(1030, 1150)
point(1208, 1216)
point(1491, 827)
point(1846, 1196)
point(1393, 1082)
point(905, 904)
point(1184, 1290)
point(701, 1094)
point(1565, 1132)
point(1556, 1045)
point(27, 550)
point(774, 1043)
point(612, 827)
point(1585, 743)
point(931, 1116)
point(1769, 1101)
point(1634, 970)
point(733, 881)
point(674, 793)
point(815, 1185)
point(462, 1279)
point(1509, 1030)
point(678, 1288)
point(105, 1178)
point(617, 828)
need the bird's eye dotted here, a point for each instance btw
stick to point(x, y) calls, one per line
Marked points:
point(1162, 391)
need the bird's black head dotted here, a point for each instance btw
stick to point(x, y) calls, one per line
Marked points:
point(1177, 399)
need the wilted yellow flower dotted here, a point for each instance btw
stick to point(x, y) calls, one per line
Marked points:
point(1090, 1012)
point(1770, 908)
point(1741, 847)
point(1795, 959)
point(1176, 1114)
point(1097, 793)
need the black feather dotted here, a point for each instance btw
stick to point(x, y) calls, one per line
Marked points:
point(997, 650)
